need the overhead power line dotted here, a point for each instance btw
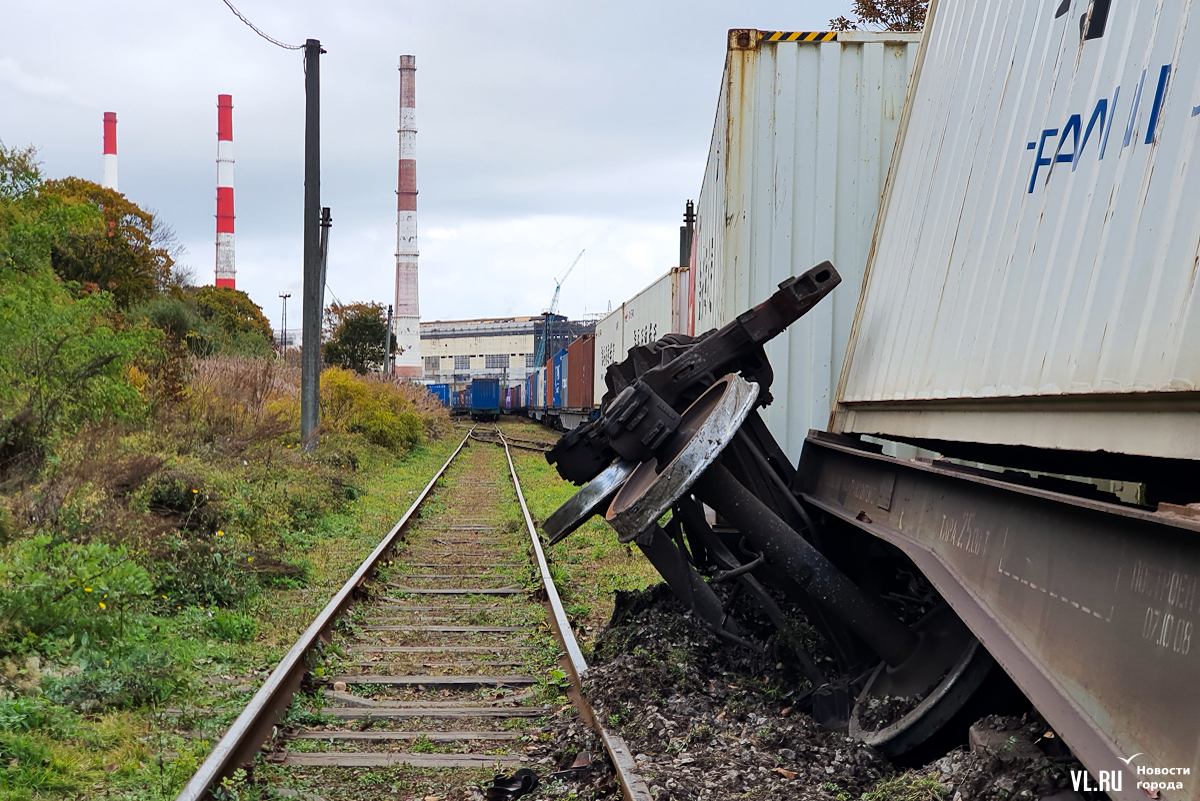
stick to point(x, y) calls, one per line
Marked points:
point(255, 28)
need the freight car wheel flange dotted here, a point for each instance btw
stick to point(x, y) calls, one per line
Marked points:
point(594, 498)
point(949, 660)
point(706, 427)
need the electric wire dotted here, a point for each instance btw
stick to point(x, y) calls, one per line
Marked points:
point(255, 28)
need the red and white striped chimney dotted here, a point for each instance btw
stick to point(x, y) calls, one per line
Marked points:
point(407, 318)
point(226, 266)
point(110, 150)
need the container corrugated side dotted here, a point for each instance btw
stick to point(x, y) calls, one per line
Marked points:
point(485, 393)
point(556, 381)
point(441, 392)
point(610, 348)
point(799, 155)
point(1033, 279)
point(651, 314)
point(580, 364)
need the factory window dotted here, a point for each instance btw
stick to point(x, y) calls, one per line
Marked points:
point(432, 363)
point(462, 362)
point(495, 361)
point(529, 360)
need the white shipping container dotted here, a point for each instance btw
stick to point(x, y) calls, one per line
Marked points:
point(610, 336)
point(1033, 277)
point(804, 133)
point(651, 314)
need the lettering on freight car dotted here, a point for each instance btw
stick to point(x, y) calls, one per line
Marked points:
point(964, 536)
point(1174, 587)
point(1167, 630)
point(608, 355)
point(646, 334)
point(1099, 122)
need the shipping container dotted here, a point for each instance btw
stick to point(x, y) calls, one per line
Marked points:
point(651, 314)
point(556, 382)
point(580, 368)
point(441, 392)
point(797, 164)
point(609, 348)
point(1033, 277)
point(537, 388)
point(485, 394)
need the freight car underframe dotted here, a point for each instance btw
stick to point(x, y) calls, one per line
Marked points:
point(1087, 605)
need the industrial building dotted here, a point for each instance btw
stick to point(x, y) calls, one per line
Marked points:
point(456, 351)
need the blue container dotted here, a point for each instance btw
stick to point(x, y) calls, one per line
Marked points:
point(485, 395)
point(560, 368)
point(441, 392)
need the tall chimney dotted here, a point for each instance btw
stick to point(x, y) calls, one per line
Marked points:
point(226, 266)
point(110, 150)
point(407, 322)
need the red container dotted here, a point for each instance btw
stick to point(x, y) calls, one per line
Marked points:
point(550, 383)
point(581, 365)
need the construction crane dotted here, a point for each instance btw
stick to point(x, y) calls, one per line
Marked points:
point(540, 357)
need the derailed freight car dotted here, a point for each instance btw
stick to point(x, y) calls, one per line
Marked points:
point(1026, 309)
point(1031, 303)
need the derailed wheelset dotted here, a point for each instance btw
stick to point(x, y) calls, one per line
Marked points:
point(680, 433)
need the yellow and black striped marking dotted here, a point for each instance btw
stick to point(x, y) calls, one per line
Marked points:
point(799, 36)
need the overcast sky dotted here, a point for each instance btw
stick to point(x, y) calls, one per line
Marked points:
point(544, 128)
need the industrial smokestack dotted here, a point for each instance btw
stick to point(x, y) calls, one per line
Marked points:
point(226, 266)
point(110, 150)
point(407, 320)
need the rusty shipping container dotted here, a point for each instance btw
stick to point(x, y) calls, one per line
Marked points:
point(580, 367)
point(804, 133)
point(1033, 277)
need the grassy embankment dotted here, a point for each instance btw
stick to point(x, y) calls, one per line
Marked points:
point(151, 580)
point(162, 539)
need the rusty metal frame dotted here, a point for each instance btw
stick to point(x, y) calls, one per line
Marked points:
point(256, 724)
point(633, 786)
point(1089, 606)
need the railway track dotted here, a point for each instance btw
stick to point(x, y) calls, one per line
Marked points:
point(427, 671)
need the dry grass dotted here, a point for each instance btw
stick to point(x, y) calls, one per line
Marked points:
point(228, 404)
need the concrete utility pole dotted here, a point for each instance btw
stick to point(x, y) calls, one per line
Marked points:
point(314, 290)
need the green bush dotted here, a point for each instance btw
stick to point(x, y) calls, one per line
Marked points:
point(201, 573)
point(66, 362)
point(65, 590)
point(20, 715)
point(230, 626)
point(147, 674)
point(382, 412)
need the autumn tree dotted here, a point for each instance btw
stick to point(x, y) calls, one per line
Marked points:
point(883, 15)
point(118, 253)
point(357, 341)
point(239, 322)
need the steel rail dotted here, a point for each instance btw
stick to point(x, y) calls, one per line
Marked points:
point(257, 722)
point(633, 786)
point(538, 448)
